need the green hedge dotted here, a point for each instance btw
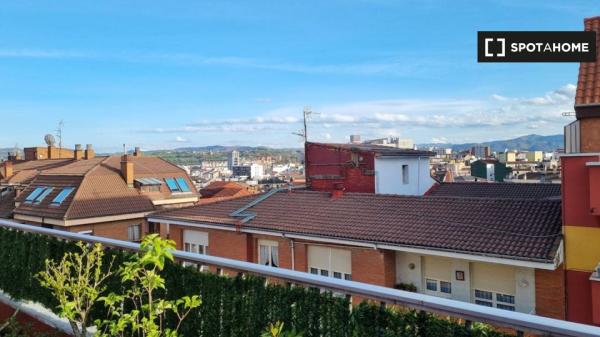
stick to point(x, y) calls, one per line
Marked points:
point(232, 306)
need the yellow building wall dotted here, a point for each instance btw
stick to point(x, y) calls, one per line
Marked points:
point(582, 247)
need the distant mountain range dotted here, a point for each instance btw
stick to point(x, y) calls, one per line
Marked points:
point(524, 143)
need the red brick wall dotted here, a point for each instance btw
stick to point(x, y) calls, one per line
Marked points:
point(326, 160)
point(374, 266)
point(550, 293)
point(110, 229)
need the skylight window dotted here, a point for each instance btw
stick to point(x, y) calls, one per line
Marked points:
point(42, 196)
point(38, 195)
point(183, 186)
point(33, 195)
point(172, 185)
point(62, 196)
point(177, 184)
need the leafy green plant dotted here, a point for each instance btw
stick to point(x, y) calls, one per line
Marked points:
point(407, 287)
point(276, 330)
point(76, 282)
point(138, 311)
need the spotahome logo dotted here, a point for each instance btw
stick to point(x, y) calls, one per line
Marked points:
point(536, 46)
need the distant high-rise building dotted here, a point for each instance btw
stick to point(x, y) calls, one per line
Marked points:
point(234, 159)
point(481, 151)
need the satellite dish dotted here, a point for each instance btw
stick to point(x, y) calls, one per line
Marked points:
point(49, 139)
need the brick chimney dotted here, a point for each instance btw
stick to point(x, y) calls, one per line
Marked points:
point(89, 152)
point(78, 152)
point(7, 169)
point(127, 169)
point(584, 134)
point(137, 152)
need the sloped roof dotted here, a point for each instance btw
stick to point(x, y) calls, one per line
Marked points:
point(25, 171)
point(588, 83)
point(525, 229)
point(224, 189)
point(496, 190)
point(100, 189)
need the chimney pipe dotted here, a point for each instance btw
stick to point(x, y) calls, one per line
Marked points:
point(127, 169)
point(89, 152)
point(338, 191)
point(137, 152)
point(7, 169)
point(78, 152)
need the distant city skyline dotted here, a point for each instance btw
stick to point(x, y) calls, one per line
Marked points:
point(162, 76)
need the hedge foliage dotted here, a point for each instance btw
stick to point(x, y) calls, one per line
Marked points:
point(232, 306)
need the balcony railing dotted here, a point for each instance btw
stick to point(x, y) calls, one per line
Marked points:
point(453, 308)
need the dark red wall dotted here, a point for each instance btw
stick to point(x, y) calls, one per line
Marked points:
point(328, 166)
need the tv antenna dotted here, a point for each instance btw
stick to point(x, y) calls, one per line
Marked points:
point(307, 113)
point(59, 133)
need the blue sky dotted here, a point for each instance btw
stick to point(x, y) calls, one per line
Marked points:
point(165, 74)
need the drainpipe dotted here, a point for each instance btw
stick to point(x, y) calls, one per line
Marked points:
point(293, 247)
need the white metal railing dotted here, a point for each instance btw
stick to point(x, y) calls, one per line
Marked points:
point(458, 309)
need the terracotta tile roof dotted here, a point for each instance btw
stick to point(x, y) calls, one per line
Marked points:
point(224, 189)
point(25, 171)
point(523, 229)
point(100, 189)
point(496, 190)
point(588, 83)
point(381, 150)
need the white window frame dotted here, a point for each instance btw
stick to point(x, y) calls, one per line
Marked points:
point(131, 235)
point(494, 301)
point(196, 248)
point(328, 273)
point(271, 246)
point(438, 287)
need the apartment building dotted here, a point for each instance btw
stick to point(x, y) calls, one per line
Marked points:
point(367, 168)
point(581, 197)
point(469, 244)
point(107, 196)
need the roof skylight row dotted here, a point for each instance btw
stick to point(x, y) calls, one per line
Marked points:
point(41, 192)
point(177, 184)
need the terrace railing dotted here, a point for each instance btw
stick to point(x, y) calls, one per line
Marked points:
point(467, 311)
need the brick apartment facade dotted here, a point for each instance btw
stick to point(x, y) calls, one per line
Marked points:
point(581, 196)
point(461, 241)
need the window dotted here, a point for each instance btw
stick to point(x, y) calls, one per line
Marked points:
point(154, 227)
point(330, 262)
point(183, 186)
point(438, 286)
point(491, 299)
point(195, 242)
point(62, 196)
point(446, 287)
point(172, 185)
point(405, 174)
point(431, 285)
point(177, 184)
point(38, 195)
point(268, 253)
point(133, 233)
point(33, 195)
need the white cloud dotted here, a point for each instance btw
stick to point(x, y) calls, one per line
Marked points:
point(459, 119)
point(180, 139)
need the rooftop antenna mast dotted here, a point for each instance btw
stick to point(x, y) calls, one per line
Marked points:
point(307, 113)
point(59, 132)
